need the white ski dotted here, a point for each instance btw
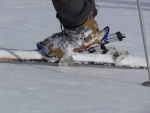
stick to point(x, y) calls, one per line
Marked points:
point(86, 58)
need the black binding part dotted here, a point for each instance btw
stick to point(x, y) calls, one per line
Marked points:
point(103, 47)
point(147, 83)
point(120, 36)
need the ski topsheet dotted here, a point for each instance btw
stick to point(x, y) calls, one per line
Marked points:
point(86, 58)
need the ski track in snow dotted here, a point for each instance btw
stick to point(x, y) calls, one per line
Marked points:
point(33, 87)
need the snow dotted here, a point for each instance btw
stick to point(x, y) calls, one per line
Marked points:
point(32, 87)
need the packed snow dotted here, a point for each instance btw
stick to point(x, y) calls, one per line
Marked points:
point(34, 87)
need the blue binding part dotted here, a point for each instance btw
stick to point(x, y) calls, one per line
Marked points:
point(107, 29)
point(39, 45)
point(44, 51)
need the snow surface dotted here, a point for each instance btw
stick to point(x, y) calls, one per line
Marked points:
point(33, 87)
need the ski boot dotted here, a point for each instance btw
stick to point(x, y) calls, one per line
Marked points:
point(65, 43)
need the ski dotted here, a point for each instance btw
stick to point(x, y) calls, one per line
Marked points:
point(98, 54)
point(121, 59)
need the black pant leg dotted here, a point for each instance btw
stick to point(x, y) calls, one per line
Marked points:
point(93, 8)
point(72, 13)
